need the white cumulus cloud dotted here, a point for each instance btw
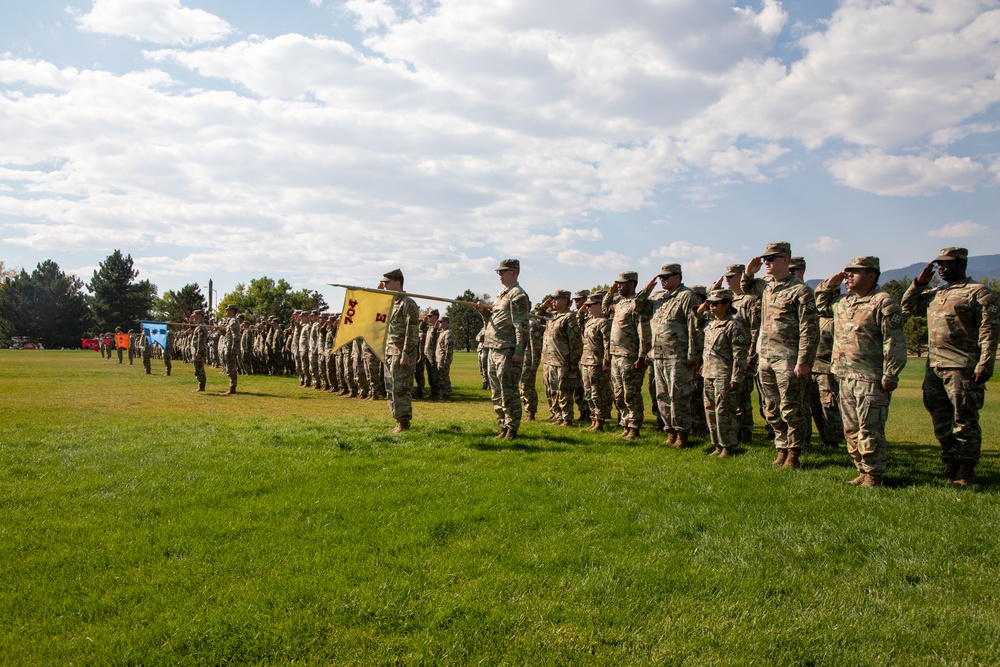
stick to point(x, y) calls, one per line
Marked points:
point(906, 175)
point(158, 21)
point(959, 230)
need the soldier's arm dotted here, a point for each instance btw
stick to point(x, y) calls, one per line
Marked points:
point(989, 330)
point(606, 343)
point(740, 341)
point(411, 337)
point(808, 331)
point(893, 343)
point(915, 299)
point(826, 292)
point(519, 318)
point(695, 339)
point(608, 304)
point(748, 283)
point(575, 336)
point(645, 341)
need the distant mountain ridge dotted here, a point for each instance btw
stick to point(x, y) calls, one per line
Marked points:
point(983, 266)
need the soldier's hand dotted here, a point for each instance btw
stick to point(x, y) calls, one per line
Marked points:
point(753, 266)
point(651, 284)
point(703, 308)
point(614, 288)
point(802, 371)
point(981, 378)
point(836, 279)
point(926, 275)
point(889, 386)
point(718, 283)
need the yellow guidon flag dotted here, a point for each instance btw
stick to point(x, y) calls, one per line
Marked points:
point(365, 315)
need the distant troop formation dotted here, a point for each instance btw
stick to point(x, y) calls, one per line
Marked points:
point(828, 357)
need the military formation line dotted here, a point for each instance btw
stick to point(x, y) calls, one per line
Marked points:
point(818, 356)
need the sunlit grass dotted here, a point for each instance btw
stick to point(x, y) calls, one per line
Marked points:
point(141, 523)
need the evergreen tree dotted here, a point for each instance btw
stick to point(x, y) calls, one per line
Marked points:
point(176, 306)
point(116, 299)
point(466, 322)
point(47, 306)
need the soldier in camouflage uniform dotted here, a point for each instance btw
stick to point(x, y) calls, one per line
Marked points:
point(529, 368)
point(823, 403)
point(747, 307)
point(421, 368)
point(232, 346)
point(505, 337)
point(595, 364)
point(443, 356)
point(483, 357)
point(630, 343)
point(724, 364)
point(786, 348)
point(562, 347)
point(582, 313)
point(676, 350)
point(401, 352)
point(869, 353)
point(962, 325)
point(699, 423)
point(430, 350)
point(373, 373)
point(199, 348)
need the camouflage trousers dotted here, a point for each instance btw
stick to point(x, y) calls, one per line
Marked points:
point(432, 378)
point(954, 402)
point(504, 376)
point(784, 397)
point(526, 387)
point(373, 375)
point(626, 382)
point(166, 360)
point(597, 390)
point(444, 380)
point(399, 388)
point(314, 368)
point(562, 384)
point(864, 406)
point(199, 370)
point(744, 406)
point(147, 358)
point(484, 363)
point(720, 411)
point(324, 371)
point(305, 372)
point(675, 383)
point(418, 375)
point(824, 408)
point(232, 369)
point(360, 370)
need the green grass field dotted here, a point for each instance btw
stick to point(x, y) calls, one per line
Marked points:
point(141, 523)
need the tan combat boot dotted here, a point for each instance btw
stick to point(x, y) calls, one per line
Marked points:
point(726, 452)
point(671, 437)
point(599, 426)
point(681, 441)
point(871, 481)
point(859, 480)
point(716, 452)
point(502, 434)
point(401, 425)
point(782, 455)
point(792, 460)
point(633, 433)
point(510, 434)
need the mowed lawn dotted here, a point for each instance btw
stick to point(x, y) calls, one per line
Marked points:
point(141, 523)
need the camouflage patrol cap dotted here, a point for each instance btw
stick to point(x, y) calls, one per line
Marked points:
point(199, 312)
point(777, 248)
point(717, 295)
point(561, 294)
point(626, 276)
point(669, 270)
point(863, 262)
point(231, 306)
point(395, 274)
point(699, 290)
point(951, 254)
point(434, 313)
point(581, 294)
point(509, 265)
point(324, 315)
point(596, 298)
point(797, 263)
point(735, 270)
point(445, 319)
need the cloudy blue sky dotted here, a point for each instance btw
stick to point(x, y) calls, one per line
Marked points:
point(327, 141)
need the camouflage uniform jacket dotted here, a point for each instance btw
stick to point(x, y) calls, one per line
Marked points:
point(232, 336)
point(533, 345)
point(422, 340)
point(748, 312)
point(199, 342)
point(563, 342)
point(868, 340)
point(962, 324)
point(630, 332)
point(727, 346)
point(403, 335)
point(430, 345)
point(675, 325)
point(507, 324)
point(597, 342)
point(788, 324)
point(824, 351)
point(445, 351)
